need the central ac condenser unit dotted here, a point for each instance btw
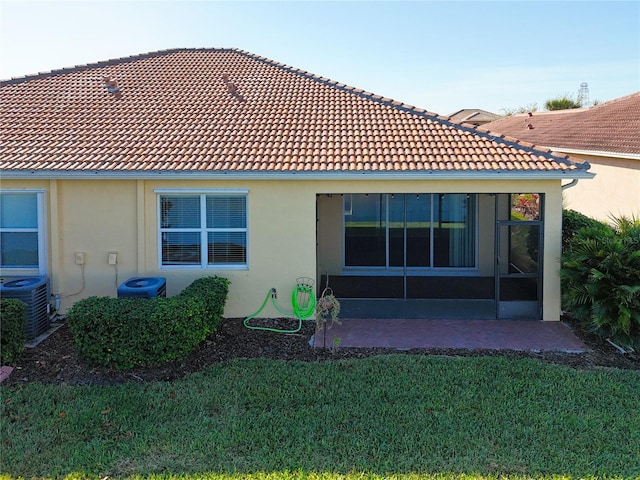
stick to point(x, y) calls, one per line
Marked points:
point(34, 291)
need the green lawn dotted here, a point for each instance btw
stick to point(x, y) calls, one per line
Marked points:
point(398, 416)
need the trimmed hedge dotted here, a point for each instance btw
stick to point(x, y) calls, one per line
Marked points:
point(126, 332)
point(13, 318)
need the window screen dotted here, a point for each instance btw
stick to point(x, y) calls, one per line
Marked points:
point(206, 230)
point(19, 231)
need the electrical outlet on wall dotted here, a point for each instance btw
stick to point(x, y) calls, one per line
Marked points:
point(113, 258)
point(80, 258)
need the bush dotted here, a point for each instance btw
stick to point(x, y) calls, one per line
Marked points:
point(213, 292)
point(13, 317)
point(601, 280)
point(573, 221)
point(127, 332)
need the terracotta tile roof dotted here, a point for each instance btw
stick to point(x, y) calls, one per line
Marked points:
point(612, 126)
point(226, 110)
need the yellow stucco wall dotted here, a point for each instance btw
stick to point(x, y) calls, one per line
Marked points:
point(101, 216)
point(613, 192)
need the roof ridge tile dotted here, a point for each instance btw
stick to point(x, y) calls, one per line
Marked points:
point(111, 61)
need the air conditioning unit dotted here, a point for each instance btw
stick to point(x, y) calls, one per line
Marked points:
point(143, 287)
point(34, 291)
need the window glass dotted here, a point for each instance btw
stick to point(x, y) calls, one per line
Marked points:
point(19, 210)
point(365, 231)
point(19, 231)
point(418, 230)
point(454, 230)
point(227, 247)
point(180, 248)
point(226, 212)
point(203, 230)
point(19, 249)
point(181, 212)
point(410, 230)
point(396, 230)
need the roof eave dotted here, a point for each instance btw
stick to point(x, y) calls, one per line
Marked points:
point(595, 153)
point(279, 175)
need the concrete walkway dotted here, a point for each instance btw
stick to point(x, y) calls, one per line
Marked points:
point(451, 333)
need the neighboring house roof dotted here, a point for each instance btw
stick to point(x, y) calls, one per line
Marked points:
point(473, 117)
point(609, 127)
point(226, 111)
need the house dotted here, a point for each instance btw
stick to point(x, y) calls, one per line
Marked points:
point(473, 117)
point(607, 136)
point(191, 162)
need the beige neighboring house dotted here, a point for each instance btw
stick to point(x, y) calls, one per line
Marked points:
point(191, 162)
point(471, 117)
point(607, 136)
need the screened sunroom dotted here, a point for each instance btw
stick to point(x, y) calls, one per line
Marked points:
point(466, 255)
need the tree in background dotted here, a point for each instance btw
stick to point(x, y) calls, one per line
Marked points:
point(532, 107)
point(564, 102)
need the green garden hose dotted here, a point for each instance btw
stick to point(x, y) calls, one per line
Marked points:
point(302, 310)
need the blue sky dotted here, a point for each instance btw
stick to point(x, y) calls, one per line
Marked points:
point(439, 55)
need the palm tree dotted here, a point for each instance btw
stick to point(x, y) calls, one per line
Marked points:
point(561, 103)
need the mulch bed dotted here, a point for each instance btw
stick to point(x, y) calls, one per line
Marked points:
point(54, 360)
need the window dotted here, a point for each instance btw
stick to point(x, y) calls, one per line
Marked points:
point(410, 231)
point(204, 230)
point(22, 244)
point(454, 230)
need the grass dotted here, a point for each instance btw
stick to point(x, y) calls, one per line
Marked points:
point(397, 416)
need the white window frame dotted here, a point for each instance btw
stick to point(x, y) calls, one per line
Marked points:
point(41, 230)
point(203, 230)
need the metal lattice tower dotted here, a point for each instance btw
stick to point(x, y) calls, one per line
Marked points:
point(583, 94)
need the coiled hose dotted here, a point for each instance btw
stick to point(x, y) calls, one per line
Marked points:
point(303, 301)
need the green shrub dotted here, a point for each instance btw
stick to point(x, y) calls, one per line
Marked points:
point(601, 280)
point(573, 221)
point(127, 332)
point(213, 291)
point(13, 317)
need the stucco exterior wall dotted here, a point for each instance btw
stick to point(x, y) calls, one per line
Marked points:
point(613, 192)
point(101, 216)
point(281, 243)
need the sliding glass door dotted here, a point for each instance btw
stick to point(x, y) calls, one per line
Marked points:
point(365, 231)
point(410, 232)
point(454, 229)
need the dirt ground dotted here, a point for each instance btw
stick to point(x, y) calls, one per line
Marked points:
point(54, 361)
